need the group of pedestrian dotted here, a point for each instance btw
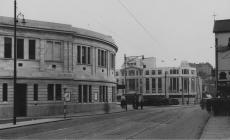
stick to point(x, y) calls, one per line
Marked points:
point(138, 101)
point(123, 103)
point(219, 106)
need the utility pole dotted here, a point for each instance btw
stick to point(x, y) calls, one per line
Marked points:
point(182, 81)
point(216, 60)
point(125, 74)
point(188, 90)
point(15, 58)
point(15, 62)
point(165, 84)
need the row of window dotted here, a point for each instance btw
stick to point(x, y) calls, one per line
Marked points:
point(83, 55)
point(54, 92)
point(102, 58)
point(154, 72)
point(173, 85)
point(54, 52)
point(20, 48)
point(5, 92)
point(84, 93)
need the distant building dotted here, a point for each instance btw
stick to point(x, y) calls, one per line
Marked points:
point(222, 43)
point(169, 82)
point(54, 59)
point(205, 71)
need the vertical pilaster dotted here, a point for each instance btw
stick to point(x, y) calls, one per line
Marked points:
point(70, 56)
point(37, 49)
point(42, 54)
point(26, 48)
point(157, 85)
point(65, 57)
point(2, 47)
point(150, 85)
point(93, 60)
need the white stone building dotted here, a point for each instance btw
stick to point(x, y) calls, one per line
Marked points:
point(54, 58)
point(170, 82)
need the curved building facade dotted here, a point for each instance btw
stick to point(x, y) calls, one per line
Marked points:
point(54, 59)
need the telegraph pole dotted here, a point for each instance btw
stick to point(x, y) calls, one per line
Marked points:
point(15, 62)
point(125, 74)
point(188, 90)
point(15, 58)
point(165, 84)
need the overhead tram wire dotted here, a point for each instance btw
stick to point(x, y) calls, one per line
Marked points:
point(108, 29)
point(138, 22)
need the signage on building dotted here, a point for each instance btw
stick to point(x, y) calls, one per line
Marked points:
point(67, 96)
point(120, 86)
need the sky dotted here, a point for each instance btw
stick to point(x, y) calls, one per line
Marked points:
point(170, 30)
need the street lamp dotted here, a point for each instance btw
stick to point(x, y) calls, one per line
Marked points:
point(16, 16)
point(125, 74)
point(165, 83)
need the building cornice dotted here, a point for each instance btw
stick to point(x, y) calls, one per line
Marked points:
point(72, 33)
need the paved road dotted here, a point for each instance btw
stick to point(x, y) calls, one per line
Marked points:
point(183, 122)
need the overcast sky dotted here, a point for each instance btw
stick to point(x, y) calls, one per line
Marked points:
point(165, 29)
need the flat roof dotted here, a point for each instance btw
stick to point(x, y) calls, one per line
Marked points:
point(221, 26)
point(51, 26)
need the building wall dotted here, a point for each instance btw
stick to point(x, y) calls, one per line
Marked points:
point(166, 90)
point(66, 71)
point(223, 55)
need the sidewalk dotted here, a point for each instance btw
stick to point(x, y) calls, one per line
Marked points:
point(217, 127)
point(25, 121)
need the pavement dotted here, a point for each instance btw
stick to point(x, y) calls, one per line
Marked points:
point(217, 127)
point(26, 121)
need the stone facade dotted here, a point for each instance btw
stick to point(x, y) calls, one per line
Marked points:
point(169, 82)
point(66, 59)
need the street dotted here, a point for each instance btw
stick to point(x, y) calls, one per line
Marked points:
point(185, 122)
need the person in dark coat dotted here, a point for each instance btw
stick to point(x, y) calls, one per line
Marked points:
point(141, 101)
point(123, 102)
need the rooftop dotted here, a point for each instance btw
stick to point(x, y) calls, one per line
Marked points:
point(221, 26)
point(51, 26)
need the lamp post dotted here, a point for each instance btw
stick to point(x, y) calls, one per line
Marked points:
point(125, 74)
point(216, 62)
point(182, 90)
point(165, 84)
point(15, 58)
point(188, 90)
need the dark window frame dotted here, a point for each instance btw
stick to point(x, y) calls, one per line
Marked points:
point(35, 92)
point(7, 47)
point(4, 92)
point(58, 92)
point(20, 48)
point(50, 92)
point(32, 49)
point(80, 94)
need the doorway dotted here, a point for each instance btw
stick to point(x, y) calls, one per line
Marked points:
point(21, 100)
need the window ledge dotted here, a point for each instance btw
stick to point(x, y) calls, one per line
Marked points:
point(84, 64)
point(55, 61)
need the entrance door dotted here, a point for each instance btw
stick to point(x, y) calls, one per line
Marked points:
point(21, 102)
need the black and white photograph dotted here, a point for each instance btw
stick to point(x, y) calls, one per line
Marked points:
point(115, 69)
